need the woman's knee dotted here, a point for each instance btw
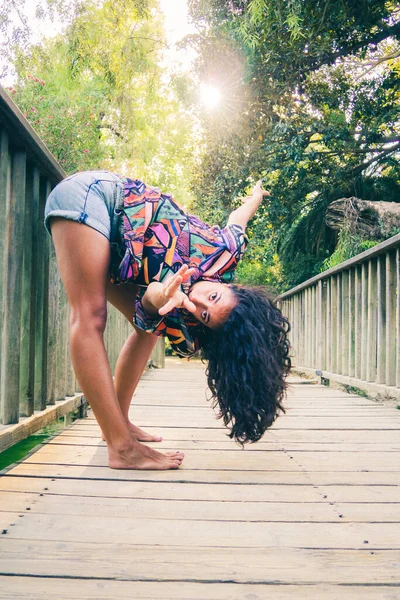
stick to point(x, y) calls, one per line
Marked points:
point(93, 318)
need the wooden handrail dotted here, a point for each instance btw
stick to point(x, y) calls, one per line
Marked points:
point(346, 321)
point(35, 367)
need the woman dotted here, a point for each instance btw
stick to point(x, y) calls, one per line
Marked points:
point(176, 273)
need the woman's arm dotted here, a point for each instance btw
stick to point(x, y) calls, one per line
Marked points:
point(242, 215)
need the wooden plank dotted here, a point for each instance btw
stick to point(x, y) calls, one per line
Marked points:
point(215, 534)
point(229, 446)
point(12, 299)
point(238, 460)
point(295, 477)
point(294, 512)
point(64, 589)
point(323, 487)
point(286, 436)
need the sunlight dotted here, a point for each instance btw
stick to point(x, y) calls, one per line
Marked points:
point(210, 96)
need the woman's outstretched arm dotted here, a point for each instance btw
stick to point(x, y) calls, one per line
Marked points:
point(242, 215)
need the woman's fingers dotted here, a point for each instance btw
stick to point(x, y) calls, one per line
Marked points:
point(175, 298)
point(188, 304)
point(172, 285)
point(167, 307)
point(188, 273)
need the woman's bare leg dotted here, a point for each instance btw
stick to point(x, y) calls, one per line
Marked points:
point(83, 256)
point(133, 357)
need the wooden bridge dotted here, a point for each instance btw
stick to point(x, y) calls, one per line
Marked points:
point(311, 511)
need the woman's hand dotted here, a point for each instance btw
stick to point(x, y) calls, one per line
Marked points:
point(161, 298)
point(242, 215)
point(258, 193)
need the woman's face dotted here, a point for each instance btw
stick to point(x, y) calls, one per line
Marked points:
point(214, 302)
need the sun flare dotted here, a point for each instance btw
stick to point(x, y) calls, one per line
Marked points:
point(210, 96)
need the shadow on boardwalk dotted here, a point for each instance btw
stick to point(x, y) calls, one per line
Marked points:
point(312, 511)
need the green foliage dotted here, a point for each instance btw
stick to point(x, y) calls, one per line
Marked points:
point(261, 272)
point(99, 96)
point(349, 244)
point(70, 130)
point(310, 104)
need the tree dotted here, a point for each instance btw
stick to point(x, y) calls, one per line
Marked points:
point(98, 95)
point(310, 104)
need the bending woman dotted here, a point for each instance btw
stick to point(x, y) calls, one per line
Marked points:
point(169, 273)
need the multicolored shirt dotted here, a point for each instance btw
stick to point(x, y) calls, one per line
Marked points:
point(159, 237)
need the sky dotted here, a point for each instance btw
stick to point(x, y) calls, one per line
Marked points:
point(177, 25)
point(176, 19)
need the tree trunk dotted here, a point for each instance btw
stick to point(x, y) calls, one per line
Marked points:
point(374, 220)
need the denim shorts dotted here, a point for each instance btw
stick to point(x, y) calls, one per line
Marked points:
point(95, 198)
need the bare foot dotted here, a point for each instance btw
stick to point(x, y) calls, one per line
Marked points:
point(140, 435)
point(143, 436)
point(139, 456)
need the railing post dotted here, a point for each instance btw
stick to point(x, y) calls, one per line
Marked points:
point(345, 324)
point(319, 327)
point(398, 317)
point(390, 375)
point(313, 360)
point(158, 354)
point(334, 319)
point(339, 312)
point(351, 321)
point(358, 301)
point(5, 168)
point(11, 310)
point(328, 326)
point(381, 320)
point(295, 325)
point(29, 287)
point(364, 320)
point(52, 294)
point(42, 284)
point(372, 320)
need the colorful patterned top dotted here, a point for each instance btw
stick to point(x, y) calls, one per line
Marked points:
point(159, 237)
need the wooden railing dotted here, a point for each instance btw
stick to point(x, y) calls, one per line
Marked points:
point(36, 369)
point(346, 321)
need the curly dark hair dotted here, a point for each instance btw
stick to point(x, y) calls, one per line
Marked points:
point(248, 362)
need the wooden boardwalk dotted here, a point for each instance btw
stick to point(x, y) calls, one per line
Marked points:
point(312, 511)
